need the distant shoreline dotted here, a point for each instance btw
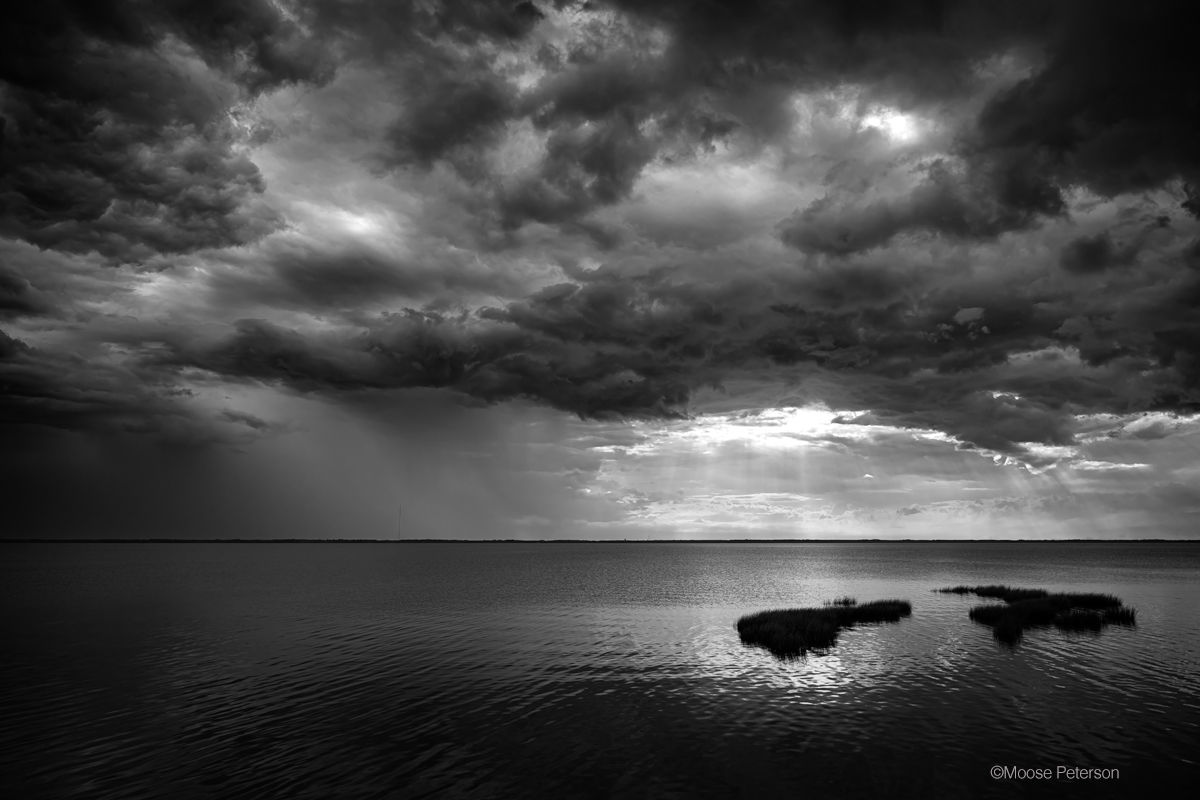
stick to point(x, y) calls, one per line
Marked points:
point(599, 541)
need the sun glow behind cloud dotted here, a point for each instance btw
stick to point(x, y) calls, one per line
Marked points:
point(798, 472)
point(898, 127)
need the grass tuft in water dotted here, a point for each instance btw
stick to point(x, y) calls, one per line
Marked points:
point(1006, 593)
point(1121, 616)
point(791, 632)
point(1037, 608)
point(1079, 619)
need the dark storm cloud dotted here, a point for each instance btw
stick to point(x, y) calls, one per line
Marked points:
point(1113, 108)
point(454, 101)
point(919, 47)
point(91, 88)
point(249, 420)
point(76, 183)
point(307, 279)
point(980, 418)
point(970, 207)
point(122, 136)
point(115, 133)
point(447, 111)
point(354, 275)
point(614, 101)
point(581, 171)
point(381, 24)
point(18, 297)
point(1088, 254)
point(987, 361)
point(1110, 107)
point(54, 389)
point(10, 348)
point(470, 354)
point(594, 351)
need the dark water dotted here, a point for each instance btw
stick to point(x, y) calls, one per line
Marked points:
point(585, 670)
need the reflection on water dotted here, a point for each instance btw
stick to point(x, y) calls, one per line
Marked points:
point(504, 670)
point(795, 632)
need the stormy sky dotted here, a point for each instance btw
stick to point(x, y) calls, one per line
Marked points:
point(605, 269)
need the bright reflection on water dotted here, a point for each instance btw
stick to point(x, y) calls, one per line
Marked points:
point(505, 670)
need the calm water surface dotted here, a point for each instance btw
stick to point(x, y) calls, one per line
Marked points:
point(579, 670)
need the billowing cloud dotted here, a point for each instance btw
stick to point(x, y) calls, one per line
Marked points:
point(120, 129)
point(972, 219)
point(943, 203)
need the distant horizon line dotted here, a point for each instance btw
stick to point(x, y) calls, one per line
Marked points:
point(865, 540)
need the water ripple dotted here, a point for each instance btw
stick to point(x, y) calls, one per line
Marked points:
point(588, 671)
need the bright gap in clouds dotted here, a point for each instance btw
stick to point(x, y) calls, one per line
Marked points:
point(799, 472)
point(778, 428)
point(898, 127)
point(805, 473)
point(358, 223)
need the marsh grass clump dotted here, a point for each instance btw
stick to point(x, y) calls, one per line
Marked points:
point(1037, 608)
point(1093, 601)
point(1008, 594)
point(1121, 616)
point(791, 632)
point(879, 611)
point(1083, 619)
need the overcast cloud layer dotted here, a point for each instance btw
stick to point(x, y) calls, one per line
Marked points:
point(613, 268)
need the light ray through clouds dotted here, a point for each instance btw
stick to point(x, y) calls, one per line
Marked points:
point(606, 269)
